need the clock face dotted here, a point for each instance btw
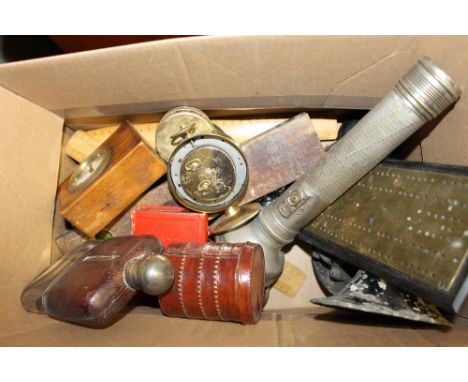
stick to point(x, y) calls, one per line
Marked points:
point(207, 173)
point(88, 171)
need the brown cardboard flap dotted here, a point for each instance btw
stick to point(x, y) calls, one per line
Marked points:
point(247, 72)
point(29, 160)
point(317, 326)
point(241, 69)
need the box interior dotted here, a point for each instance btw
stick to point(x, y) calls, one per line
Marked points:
point(42, 101)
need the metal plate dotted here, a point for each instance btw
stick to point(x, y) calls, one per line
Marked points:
point(371, 294)
point(410, 219)
point(234, 217)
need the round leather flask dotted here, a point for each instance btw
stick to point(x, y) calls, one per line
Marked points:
point(207, 173)
point(214, 281)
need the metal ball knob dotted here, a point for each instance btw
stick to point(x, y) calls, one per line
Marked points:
point(154, 274)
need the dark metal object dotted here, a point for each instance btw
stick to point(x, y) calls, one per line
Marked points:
point(332, 274)
point(271, 197)
point(346, 127)
point(406, 222)
point(373, 295)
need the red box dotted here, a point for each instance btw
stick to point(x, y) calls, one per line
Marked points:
point(170, 224)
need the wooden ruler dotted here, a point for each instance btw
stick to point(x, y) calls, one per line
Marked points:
point(83, 143)
point(146, 130)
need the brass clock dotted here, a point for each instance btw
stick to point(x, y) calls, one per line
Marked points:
point(207, 173)
point(90, 169)
point(180, 124)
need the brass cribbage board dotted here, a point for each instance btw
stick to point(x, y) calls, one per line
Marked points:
point(406, 222)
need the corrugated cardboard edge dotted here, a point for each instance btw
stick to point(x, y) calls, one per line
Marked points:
point(317, 326)
point(29, 164)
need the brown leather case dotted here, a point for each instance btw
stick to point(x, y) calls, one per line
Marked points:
point(91, 290)
point(216, 282)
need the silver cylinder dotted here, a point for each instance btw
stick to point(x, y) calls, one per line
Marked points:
point(421, 95)
point(153, 274)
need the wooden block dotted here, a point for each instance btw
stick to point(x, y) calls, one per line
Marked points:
point(241, 130)
point(280, 156)
point(109, 181)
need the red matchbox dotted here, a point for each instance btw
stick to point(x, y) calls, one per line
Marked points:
point(170, 224)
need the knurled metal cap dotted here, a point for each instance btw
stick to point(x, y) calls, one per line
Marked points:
point(428, 89)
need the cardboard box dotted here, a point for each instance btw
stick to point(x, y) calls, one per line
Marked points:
point(223, 76)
